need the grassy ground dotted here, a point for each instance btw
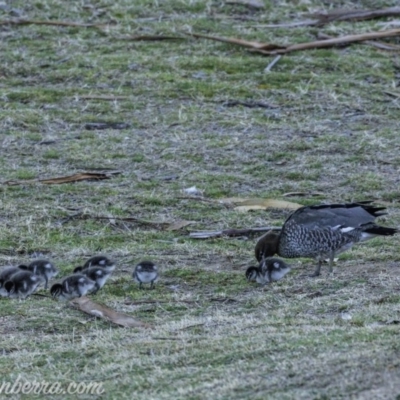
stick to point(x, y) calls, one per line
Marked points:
point(332, 131)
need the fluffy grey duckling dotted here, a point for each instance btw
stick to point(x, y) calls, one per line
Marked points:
point(72, 286)
point(42, 268)
point(22, 284)
point(100, 261)
point(97, 274)
point(323, 231)
point(271, 269)
point(146, 272)
point(5, 276)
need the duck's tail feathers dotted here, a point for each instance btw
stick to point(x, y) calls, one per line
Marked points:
point(378, 230)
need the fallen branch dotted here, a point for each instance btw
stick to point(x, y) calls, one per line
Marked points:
point(101, 311)
point(83, 176)
point(322, 18)
point(393, 94)
point(212, 299)
point(256, 4)
point(354, 15)
point(101, 97)
point(232, 232)
point(90, 126)
point(152, 38)
point(273, 49)
point(240, 42)
point(272, 63)
point(249, 104)
point(136, 303)
point(331, 42)
point(50, 23)
point(374, 43)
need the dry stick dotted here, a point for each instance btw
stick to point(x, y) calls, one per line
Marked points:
point(240, 42)
point(232, 232)
point(331, 42)
point(319, 19)
point(271, 49)
point(82, 176)
point(272, 63)
point(98, 310)
point(51, 23)
point(152, 38)
point(101, 97)
point(393, 94)
point(134, 303)
point(252, 104)
point(219, 299)
point(355, 15)
point(256, 4)
point(379, 45)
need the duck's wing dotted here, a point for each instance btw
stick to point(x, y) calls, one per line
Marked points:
point(334, 215)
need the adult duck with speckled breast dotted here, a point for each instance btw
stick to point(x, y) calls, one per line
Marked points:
point(323, 231)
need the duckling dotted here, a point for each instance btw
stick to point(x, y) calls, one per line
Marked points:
point(5, 276)
point(72, 286)
point(100, 261)
point(146, 272)
point(97, 274)
point(271, 269)
point(42, 268)
point(323, 231)
point(22, 284)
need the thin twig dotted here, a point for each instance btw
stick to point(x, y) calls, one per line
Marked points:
point(374, 43)
point(134, 303)
point(152, 38)
point(102, 97)
point(272, 63)
point(343, 40)
point(232, 232)
point(50, 23)
point(322, 18)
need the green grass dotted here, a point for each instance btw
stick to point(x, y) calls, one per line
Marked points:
point(331, 135)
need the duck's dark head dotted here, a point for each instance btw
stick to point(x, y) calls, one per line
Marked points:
point(267, 245)
point(146, 266)
point(56, 290)
point(10, 287)
point(251, 274)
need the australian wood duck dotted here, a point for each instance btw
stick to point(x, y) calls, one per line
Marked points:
point(323, 231)
point(42, 268)
point(270, 269)
point(72, 286)
point(97, 274)
point(22, 284)
point(5, 275)
point(146, 272)
point(100, 261)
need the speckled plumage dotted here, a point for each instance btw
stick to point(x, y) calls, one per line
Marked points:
point(5, 275)
point(43, 268)
point(97, 274)
point(72, 286)
point(270, 269)
point(323, 231)
point(22, 284)
point(100, 261)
